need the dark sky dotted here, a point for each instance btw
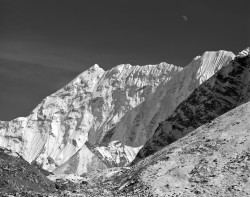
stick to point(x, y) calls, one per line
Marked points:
point(45, 43)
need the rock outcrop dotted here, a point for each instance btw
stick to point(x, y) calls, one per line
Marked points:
point(17, 176)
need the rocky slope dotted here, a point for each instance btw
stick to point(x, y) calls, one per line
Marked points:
point(17, 176)
point(213, 160)
point(227, 89)
point(84, 110)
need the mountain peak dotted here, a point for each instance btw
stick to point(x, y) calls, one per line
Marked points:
point(124, 104)
point(244, 53)
point(209, 54)
point(95, 67)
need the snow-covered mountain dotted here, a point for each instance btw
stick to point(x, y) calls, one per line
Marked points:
point(122, 142)
point(103, 118)
point(202, 149)
point(227, 89)
point(84, 110)
point(126, 138)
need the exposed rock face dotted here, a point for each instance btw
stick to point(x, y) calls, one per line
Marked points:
point(227, 89)
point(213, 160)
point(84, 110)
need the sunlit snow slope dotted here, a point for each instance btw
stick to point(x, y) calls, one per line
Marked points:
point(84, 110)
point(105, 117)
point(122, 142)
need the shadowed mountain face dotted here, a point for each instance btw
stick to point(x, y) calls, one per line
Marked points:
point(224, 91)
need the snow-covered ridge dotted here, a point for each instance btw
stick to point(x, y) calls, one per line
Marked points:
point(125, 139)
point(244, 52)
point(81, 111)
point(103, 118)
point(224, 91)
point(120, 144)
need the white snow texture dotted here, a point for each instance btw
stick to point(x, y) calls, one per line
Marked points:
point(103, 118)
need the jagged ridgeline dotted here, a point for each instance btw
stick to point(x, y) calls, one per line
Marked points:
point(102, 119)
point(180, 131)
point(183, 158)
point(227, 89)
point(83, 111)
